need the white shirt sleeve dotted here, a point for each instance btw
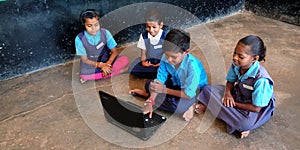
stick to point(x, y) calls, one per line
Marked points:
point(141, 43)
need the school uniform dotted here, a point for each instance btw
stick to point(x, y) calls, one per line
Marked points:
point(254, 87)
point(189, 77)
point(97, 48)
point(153, 46)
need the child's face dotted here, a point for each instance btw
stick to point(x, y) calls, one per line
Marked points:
point(242, 56)
point(92, 26)
point(153, 27)
point(174, 58)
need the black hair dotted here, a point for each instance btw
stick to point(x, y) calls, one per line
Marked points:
point(88, 13)
point(176, 41)
point(258, 47)
point(153, 15)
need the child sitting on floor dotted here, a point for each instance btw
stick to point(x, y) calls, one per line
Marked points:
point(97, 50)
point(180, 75)
point(248, 98)
point(150, 43)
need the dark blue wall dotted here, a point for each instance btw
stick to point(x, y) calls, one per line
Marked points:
point(36, 34)
point(283, 10)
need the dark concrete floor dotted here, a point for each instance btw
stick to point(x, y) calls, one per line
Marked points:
point(50, 109)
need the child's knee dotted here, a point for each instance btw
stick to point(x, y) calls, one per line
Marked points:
point(124, 60)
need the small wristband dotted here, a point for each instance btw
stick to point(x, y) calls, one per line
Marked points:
point(98, 64)
point(150, 101)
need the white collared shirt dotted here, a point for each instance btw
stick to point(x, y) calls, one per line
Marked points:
point(153, 40)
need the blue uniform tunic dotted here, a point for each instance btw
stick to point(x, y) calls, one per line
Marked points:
point(254, 87)
point(99, 52)
point(153, 55)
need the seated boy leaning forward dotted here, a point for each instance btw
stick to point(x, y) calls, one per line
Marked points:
point(180, 75)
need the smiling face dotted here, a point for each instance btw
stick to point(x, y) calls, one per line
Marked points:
point(243, 57)
point(92, 26)
point(153, 27)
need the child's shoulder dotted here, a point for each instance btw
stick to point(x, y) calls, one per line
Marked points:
point(192, 57)
point(189, 59)
point(193, 60)
point(104, 30)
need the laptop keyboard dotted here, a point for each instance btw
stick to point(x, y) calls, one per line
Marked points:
point(154, 121)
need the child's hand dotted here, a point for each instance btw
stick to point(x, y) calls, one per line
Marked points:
point(157, 65)
point(157, 87)
point(228, 101)
point(106, 68)
point(147, 63)
point(148, 109)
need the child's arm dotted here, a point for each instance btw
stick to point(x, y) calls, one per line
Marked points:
point(155, 88)
point(113, 55)
point(178, 93)
point(87, 61)
point(141, 45)
point(96, 64)
point(157, 65)
point(144, 58)
point(249, 107)
point(150, 102)
point(106, 67)
point(228, 100)
point(143, 55)
point(263, 91)
point(158, 87)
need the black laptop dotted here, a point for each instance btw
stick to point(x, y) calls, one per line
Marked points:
point(129, 116)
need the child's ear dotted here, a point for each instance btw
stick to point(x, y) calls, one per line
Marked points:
point(255, 58)
point(161, 24)
point(187, 51)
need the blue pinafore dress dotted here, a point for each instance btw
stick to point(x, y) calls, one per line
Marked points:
point(238, 119)
point(154, 54)
point(99, 52)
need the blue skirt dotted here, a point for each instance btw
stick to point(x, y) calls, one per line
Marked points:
point(235, 118)
point(136, 68)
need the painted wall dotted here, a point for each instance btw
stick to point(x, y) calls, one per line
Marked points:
point(283, 10)
point(36, 34)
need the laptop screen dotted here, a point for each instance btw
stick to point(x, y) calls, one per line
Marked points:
point(121, 111)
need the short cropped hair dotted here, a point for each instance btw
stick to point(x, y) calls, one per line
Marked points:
point(176, 41)
point(153, 15)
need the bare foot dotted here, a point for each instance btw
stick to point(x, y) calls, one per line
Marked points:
point(244, 134)
point(199, 107)
point(139, 92)
point(82, 81)
point(188, 115)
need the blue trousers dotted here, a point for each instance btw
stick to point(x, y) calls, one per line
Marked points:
point(171, 103)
